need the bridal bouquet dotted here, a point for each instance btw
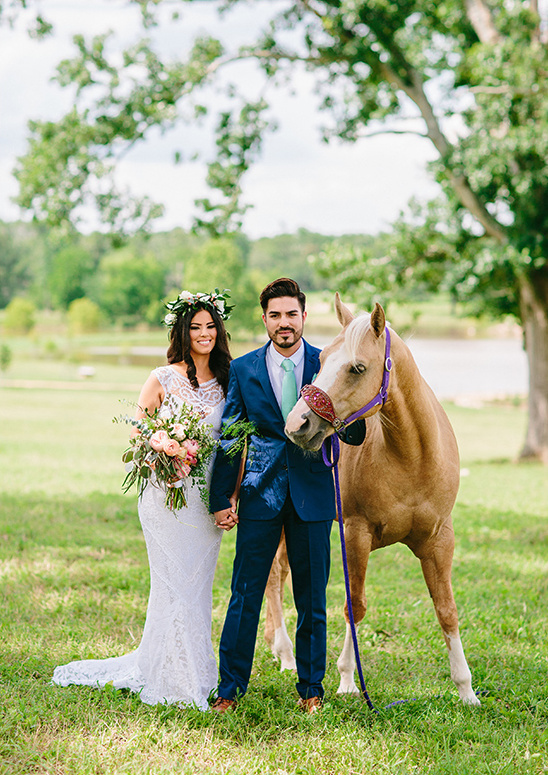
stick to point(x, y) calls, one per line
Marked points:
point(174, 449)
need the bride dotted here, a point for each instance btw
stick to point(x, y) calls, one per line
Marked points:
point(174, 662)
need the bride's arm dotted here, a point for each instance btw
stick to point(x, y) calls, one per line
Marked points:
point(150, 398)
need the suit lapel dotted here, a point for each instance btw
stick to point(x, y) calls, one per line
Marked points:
point(264, 379)
point(311, 364)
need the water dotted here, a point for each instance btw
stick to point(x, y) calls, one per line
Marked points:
point(455, 369)
point(475, 368)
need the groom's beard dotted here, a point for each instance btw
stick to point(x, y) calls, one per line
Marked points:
point(286, 337)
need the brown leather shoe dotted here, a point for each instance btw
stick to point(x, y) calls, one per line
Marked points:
point(221, 705)
point(310, 705)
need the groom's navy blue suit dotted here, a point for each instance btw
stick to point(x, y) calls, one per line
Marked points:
point(282, 487)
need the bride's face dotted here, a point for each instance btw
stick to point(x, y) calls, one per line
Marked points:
point(203, 333)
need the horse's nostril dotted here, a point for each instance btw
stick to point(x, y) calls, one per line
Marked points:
point(303, 427)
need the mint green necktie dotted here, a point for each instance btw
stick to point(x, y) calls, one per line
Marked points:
point(289, 387)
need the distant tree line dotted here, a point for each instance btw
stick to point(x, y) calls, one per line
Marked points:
point(127, 284)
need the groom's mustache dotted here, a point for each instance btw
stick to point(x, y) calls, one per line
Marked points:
point(285, 330)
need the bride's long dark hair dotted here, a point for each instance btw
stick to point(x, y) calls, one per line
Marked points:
point(179, 346)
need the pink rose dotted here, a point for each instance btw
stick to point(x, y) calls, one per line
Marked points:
point(191, 460)
point(158, 439)
point(179, 431)
point(171, 447)
point(191, 446)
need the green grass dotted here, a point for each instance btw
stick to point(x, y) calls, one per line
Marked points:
point(74, 582)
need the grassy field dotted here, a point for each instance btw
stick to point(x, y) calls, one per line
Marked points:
point(75, 584)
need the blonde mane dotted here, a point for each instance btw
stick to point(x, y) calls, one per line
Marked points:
point(354, 334)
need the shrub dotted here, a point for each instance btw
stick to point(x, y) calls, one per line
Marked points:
point(84, 316)
point(20, 316)
point(5, 357)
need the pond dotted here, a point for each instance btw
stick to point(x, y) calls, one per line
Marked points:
point(455, 369)
point(476, 368)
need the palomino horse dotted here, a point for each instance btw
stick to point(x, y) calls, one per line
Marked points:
point(400, 485)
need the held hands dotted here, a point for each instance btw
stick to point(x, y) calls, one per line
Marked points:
point(227, 518)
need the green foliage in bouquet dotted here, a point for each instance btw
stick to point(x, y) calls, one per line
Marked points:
point(239, 431)
point(168, 452)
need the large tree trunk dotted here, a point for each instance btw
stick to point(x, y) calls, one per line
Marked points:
point(534, 316)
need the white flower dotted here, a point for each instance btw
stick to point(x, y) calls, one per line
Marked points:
point(220, 305)
point(184, 295)
point(170, 319)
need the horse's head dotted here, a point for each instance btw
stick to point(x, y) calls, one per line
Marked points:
point(351, 373)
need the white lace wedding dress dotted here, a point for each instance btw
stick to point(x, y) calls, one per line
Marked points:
point(174, 663)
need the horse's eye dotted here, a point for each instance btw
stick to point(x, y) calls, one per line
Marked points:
point(357, 368)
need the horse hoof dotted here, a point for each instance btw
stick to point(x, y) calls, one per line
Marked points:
point(350, 688)
point(288, 664)
point(471, 699)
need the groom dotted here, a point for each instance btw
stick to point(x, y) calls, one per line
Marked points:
point(282, 487)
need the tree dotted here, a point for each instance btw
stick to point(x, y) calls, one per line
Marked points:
point(38, 26)
point(223, 263)
point(290, 255)
point(70, 268)
point(467, 75)
point(128, 285)
point(14, 272)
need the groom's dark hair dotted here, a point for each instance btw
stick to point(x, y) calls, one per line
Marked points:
point(282, 287)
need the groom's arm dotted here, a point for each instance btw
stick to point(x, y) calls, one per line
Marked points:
point(226, 467)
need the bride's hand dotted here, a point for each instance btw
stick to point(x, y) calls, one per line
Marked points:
point(226, 519)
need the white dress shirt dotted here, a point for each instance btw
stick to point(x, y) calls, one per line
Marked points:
point(276, 373)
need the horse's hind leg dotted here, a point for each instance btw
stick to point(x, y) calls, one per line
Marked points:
point(358, 543)
point(275, 631)
point(436, 567)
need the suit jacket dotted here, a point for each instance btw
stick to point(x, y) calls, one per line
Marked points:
point(274, 465)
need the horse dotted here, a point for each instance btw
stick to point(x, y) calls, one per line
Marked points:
point(401, 483)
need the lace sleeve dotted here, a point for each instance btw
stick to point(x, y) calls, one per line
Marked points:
point(163, 375)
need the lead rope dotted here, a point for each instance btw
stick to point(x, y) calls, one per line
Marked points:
point(332, 444)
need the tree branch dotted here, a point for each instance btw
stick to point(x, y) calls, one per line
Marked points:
point(459, 181)
point(413, 87)
point(481, 19)
point(394, 132)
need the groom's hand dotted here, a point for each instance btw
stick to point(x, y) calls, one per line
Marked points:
point(227, 518)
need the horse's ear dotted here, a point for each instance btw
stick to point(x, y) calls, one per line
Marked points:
point(378, 319)
point(343, 313)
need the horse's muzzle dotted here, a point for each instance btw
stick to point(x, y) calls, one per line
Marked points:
point(305, 428)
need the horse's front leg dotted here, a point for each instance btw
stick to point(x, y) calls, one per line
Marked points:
point(436, 567)
point(358, 549)
point(275, 630)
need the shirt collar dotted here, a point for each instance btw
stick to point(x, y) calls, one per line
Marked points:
point(277, 357)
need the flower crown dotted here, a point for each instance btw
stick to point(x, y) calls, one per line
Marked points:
point(187, 300)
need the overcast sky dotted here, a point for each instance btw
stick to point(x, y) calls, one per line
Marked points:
point(298, 181)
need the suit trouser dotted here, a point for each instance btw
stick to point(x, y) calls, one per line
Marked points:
point(308, 550)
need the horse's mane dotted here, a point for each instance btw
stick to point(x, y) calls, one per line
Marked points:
point(355, 332)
